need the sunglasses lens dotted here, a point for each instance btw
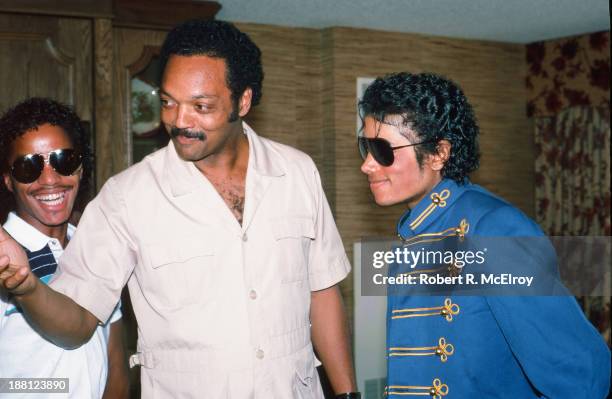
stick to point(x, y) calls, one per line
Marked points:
point(362, 142)
point(27, 169)
point(65, 162)
point(380, 149)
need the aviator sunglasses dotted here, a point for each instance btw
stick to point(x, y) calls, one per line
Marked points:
point(381, 149)
point(28, 168)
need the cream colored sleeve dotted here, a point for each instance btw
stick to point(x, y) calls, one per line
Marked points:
point(327, 263)
point(100, 256)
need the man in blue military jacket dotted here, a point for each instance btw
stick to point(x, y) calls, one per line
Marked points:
point(419, 143)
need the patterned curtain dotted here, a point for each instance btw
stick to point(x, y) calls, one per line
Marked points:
point(573, 172)
point(568, 86)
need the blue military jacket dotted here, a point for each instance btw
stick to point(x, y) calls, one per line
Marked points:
point(515, 347)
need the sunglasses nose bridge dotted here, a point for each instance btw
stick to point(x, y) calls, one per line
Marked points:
point(46, 159)
point(48, 175)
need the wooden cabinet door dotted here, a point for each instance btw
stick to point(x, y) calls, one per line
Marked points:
point(46, 57)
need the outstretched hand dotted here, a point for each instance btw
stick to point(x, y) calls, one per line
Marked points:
point(15, 274)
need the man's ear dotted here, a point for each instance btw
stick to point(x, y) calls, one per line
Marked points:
point(7, 181)
point(441, 156)
point(244, 104)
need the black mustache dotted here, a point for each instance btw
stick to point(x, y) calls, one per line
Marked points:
point(175, 132)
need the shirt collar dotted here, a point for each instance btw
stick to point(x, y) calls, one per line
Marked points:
point(440, 198)
point(28, 236)
point(267, 163)
point(182, 175)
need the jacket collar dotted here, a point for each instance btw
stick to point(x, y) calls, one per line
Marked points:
point(434, 204)
point(183, 176)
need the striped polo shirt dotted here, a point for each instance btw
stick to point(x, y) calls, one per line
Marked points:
point(42, 251)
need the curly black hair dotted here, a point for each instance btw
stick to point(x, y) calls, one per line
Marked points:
point(219, 39)
point(28, 115)
point(435, 108)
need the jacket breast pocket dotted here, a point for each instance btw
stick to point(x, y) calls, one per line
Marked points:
point(179, 272)
point(293, 237)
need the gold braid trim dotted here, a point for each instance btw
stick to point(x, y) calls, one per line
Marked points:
point(448, 310)
point(443, 350)
point(436, 390)
point(437, 200)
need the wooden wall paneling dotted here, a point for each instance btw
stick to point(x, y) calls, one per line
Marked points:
point(103, 89)
point(308, 104)
point(274, 117)
point(285, 62)
point(290, 109)
point(327, 116)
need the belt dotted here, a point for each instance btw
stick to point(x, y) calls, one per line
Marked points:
point(231, 357)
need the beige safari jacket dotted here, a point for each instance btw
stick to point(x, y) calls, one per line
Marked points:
point(222, 309)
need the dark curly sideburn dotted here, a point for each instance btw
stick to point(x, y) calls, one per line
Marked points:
point(29, 115)
point(219, 39)
point(435, 108)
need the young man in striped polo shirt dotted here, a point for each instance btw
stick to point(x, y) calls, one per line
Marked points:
point(43, 157)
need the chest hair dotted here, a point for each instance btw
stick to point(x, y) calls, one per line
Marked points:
point(231, 189)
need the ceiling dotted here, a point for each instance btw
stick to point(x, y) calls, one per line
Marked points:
point(517, 21)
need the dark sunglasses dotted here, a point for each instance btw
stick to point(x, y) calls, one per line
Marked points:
point(381, 149)
point(28, 168)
